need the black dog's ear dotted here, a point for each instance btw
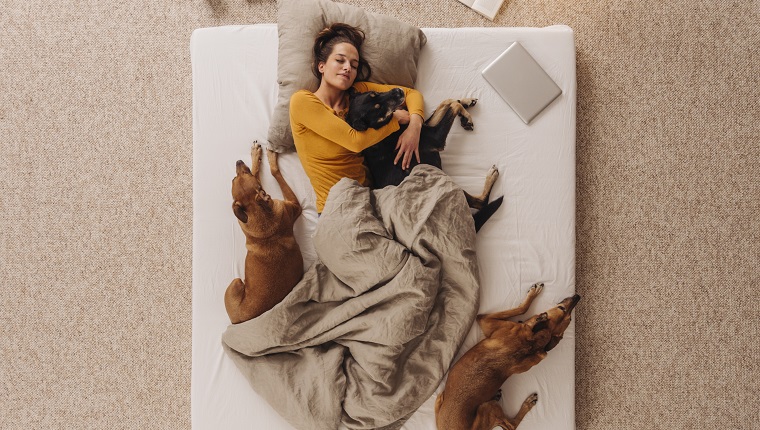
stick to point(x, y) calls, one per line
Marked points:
point(359, 125)
point(351, 92)
point(541, 322)
point(239, 211)
point(356, 121)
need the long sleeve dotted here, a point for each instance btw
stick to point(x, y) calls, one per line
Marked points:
point(328, 147)
point(307, 112)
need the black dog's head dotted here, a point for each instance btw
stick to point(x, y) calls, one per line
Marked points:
point(372, 109)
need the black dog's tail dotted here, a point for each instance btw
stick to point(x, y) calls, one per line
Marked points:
point(482, 215)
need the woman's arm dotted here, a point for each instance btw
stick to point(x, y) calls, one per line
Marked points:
point(409, 141)
point(415, 104)
point(307, 111)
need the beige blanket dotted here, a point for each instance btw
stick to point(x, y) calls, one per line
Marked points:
point(369, 332)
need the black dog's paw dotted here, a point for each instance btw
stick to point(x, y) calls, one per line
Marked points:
point(467, 124)
point(468, 102)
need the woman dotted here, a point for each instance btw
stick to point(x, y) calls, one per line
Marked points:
point(328, 147)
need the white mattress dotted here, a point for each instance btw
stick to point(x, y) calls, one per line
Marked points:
point(530, 239)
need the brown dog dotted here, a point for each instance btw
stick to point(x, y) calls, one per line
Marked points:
point(273, 265)
point(469, 400)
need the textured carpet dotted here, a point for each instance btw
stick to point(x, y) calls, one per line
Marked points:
point(96, 198)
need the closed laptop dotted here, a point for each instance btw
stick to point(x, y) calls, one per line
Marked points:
point(521, 82)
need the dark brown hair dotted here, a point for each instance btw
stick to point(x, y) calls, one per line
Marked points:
point(333, 35)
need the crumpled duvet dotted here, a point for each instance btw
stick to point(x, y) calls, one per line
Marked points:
point(369, 332)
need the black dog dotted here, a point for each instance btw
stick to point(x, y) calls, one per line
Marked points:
point(373, 110)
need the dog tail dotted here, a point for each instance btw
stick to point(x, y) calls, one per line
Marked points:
point(484, 214)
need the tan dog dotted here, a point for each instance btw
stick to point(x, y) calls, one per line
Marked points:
point(469, 400)
point(273, 265)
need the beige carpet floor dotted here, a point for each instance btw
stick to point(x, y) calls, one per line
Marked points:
point(96, 198)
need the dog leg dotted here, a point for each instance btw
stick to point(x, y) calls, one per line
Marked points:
point(440, 114)
point(232, 299)
point(527, 405)
point(490, 322)
point(287, 193)
point(255, 159)
point(457, 107)
point(490, 415)
point(480, 201)
point(438, 402)
point(464, 116)
point(468, 102)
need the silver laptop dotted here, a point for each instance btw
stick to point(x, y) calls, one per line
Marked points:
point(521, 82)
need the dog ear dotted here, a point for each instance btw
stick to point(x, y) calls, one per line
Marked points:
point(356, 122)
point(541, 322)
point(552, 343)
point(351, 92)
point(239, 211)
point(360, 125)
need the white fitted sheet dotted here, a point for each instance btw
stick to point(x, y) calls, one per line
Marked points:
point(530, 239)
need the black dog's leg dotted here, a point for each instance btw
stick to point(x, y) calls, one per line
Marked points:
point(464, 116)
point(484, 214)
point(438, 126)
point(433, 137)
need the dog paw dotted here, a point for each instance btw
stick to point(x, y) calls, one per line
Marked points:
point(497, 396)
point(272, 158)
point(536, 288)
point(468, 102)
point(532, 400)
point(467, 124)
point(493, 173)
point(256, 153)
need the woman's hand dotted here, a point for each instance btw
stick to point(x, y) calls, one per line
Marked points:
point(409, 142)
point(402, 116)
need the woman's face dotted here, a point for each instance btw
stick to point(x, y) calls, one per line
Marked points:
point(341, 67)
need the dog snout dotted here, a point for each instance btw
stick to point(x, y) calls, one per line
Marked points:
point(398, 94)
point(576, 299)
point(240, 167)
point(569, 303)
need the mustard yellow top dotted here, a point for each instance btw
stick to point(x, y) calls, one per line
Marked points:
point(328, 147)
